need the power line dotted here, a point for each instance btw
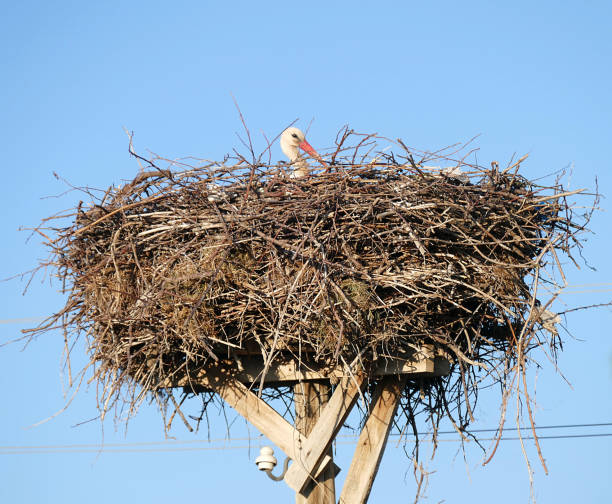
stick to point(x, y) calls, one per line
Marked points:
point(174, 446)
point(24, 320)
point(562, 436)
point(505, 438)
point(568, 426)
point(260, 436)
point(102, 449)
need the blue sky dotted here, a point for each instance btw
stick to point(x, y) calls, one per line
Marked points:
point(528, 77)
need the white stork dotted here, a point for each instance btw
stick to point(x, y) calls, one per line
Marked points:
point(291, 141)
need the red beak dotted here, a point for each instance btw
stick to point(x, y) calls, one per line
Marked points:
point(306, 147)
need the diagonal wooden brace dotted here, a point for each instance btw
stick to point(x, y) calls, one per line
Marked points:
point(265, 418)
point(372, 441)
point(310, 453)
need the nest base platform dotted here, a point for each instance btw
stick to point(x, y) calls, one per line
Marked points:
point(312, 463)
point(249, 371)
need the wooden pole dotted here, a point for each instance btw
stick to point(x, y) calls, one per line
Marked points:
point(269, 422)
point(309, 399)
point(333, 416)
point(372, 441)
point(319, 417)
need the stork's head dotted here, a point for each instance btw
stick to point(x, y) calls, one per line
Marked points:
point(291, 140)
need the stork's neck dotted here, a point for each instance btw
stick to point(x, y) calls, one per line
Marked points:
point(293, 154)
point(291, 151)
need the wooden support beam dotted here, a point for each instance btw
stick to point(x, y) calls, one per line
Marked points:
point(312, 471)
point(309, 400)
point(265, 418)
point(309, 454)
point(372, 441)
point(248, 370)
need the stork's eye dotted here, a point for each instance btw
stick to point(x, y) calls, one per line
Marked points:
point(293, 135)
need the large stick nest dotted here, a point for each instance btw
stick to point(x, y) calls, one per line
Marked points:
point(374, 257)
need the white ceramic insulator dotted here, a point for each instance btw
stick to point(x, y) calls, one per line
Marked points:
point(266, 460)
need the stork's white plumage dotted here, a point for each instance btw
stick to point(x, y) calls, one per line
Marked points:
point(291, 141)
point(453, 172)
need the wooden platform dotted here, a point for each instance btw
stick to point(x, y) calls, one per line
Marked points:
point(308, 444)
point(285, 371)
